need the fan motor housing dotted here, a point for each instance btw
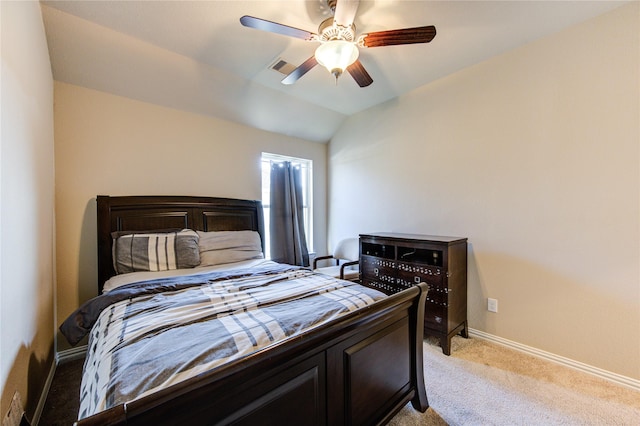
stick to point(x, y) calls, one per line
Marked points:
point(328, 30)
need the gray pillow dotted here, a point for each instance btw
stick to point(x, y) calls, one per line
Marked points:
point(220, 247)
point(155, 251)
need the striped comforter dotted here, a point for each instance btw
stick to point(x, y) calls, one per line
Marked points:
point(150, 340)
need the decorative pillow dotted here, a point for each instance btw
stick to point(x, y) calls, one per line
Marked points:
point(135, 252)
point(218, 247)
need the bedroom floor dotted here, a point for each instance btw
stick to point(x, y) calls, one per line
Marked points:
point(61, 407)
point(522, 390)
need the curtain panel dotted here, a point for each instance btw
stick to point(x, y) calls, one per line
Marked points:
point(288, 239)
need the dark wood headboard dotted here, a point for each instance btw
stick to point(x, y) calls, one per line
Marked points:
point(155, 213)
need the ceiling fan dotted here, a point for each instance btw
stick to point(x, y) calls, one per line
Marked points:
point(338, 50)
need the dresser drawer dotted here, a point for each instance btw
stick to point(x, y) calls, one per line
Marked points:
point(415, 274)
point(370, 262)
point(378, 269)
point(435, 315)
point(382, 286)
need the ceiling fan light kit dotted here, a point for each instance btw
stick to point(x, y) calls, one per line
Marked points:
point(336, 56)
point(338, 50)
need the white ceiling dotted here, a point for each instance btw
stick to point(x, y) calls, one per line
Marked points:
point(196, 56)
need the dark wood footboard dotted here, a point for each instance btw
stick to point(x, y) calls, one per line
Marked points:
point(360, 369)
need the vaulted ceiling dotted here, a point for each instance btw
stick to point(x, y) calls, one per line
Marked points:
point(195, 55)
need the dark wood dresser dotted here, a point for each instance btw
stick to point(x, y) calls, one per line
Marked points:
point(391, 262)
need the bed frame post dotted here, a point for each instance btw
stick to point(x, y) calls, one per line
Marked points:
point(419, 401)
point(105, 268)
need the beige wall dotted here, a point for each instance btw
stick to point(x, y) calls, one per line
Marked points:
point(26, 206)
point(111, 145)
point(534, 156)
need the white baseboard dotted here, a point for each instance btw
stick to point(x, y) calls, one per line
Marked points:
point(71, 354)
point(576, 365)
point(43, 396)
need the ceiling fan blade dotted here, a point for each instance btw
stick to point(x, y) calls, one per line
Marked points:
point(274, 27)
point(294, 75)
point(404, 36)
point(359, 74)
point(345, 12)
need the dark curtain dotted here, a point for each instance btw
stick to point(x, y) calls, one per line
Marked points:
point(288, 241)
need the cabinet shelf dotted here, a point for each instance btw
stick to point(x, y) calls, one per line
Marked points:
point(416, 255)
point(384, 251)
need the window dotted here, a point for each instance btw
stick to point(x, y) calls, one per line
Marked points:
point(307, 196)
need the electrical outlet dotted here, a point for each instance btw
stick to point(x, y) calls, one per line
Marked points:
point(14, 415)
point(492, 305)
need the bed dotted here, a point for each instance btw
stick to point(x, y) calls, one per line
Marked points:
point(357, 360)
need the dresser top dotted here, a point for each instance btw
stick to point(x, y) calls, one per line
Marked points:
point(417, 237)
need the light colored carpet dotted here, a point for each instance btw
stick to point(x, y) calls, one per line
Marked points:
point(483, 383)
